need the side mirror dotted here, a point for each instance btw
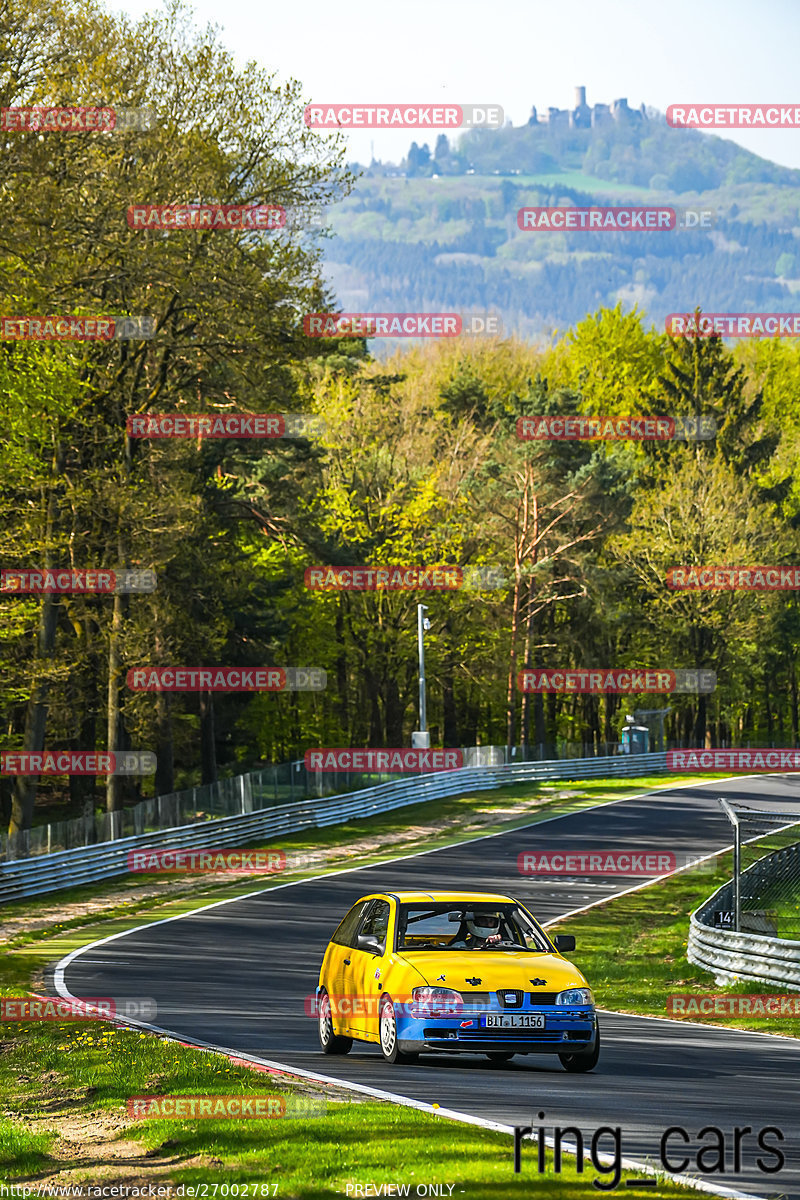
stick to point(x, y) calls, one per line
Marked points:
point(366, 941)
point(563, 942)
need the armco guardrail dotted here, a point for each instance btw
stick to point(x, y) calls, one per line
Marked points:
point(52, 872)
point(730, 955)
point(265, 787)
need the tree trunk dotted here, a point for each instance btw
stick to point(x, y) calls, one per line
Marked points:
point(114, 782)
point(525, 720)
point(375, 723)
point(341, 673)
point(552, 725)
point(394, 714)
point(24, 790)
point(511, 697)
point(165, 747)
point(165, 752)
point(208, 745)
point(82, 787)
point(611, 705)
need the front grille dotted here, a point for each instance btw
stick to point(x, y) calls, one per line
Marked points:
point(491, 1035)
point(473, 998)
point(543, 997)
point(510, 998)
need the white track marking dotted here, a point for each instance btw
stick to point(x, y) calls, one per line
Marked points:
point(407, 1101)
point(59, 970)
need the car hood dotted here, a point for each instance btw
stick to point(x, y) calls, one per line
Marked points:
point(495, 969)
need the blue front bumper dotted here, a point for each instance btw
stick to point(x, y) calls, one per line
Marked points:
point(567, 1030)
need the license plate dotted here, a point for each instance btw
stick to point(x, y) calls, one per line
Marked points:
point(515, 1021)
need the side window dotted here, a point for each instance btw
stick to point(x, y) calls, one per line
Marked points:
point(376, 922)
point(345, 932)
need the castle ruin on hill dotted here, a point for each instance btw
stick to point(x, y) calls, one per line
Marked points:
point(587, 116)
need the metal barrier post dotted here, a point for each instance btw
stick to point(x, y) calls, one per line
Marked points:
point(737, 863)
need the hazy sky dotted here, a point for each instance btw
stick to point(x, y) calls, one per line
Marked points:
point(521, 52)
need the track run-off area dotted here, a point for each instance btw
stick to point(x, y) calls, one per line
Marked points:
point(238, 974)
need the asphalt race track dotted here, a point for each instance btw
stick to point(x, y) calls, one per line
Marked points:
point(237, 975)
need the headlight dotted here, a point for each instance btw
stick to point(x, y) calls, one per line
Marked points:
point(575, 996)
point(436, 1001)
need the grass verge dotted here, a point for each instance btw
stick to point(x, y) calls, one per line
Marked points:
point(431, 825)
point(632, 949)
point(73, 1083)
point(68, 1122)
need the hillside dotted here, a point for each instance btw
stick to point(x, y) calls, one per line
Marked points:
point(438, 231)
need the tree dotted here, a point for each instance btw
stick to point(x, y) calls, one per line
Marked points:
point(224, 305)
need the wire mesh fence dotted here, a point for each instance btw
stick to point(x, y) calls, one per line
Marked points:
point(257, 790)
point(764, 896)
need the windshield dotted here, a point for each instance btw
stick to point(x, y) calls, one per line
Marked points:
point(489, 927)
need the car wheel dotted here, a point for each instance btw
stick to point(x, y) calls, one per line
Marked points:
point(330, 1042)
point(585, 1061)
point(499, 1056)
point(387, 1024)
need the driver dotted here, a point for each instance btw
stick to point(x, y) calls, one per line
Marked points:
point(483, 929)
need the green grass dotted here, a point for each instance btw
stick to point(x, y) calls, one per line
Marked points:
point(22, 1149)
point(787, 912)
point(541, 802)
point(578, 181)
point(52, 1068)
point(632, 950)
point(93, 1067)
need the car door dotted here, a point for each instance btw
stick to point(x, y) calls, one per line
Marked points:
point(337, 970)
point(368, 968)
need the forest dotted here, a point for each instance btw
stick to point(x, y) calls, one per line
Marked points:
point(411, 459)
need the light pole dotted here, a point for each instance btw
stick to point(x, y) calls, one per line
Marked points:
point(420, 738)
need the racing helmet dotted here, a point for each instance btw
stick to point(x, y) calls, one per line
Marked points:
point(483, 924)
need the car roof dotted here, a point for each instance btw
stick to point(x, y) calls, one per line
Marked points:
point(471, 898)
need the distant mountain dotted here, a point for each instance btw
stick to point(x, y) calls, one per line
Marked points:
point(438, 231)
point(638, 149)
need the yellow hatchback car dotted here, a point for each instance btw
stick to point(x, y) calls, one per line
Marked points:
point(453, 971)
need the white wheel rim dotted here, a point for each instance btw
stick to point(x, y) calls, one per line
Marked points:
point(388, 1035)
point(325, 1021)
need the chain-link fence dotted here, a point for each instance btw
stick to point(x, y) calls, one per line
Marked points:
point(257, 790)
point(764, 894)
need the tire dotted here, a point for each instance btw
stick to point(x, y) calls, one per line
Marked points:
point(498, 1057)
point(387, 1029)
point(586, 1061)
point(330, 1042)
